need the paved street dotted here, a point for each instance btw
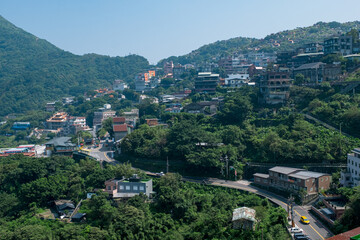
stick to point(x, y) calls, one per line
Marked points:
point(103, 153)
point(315, 230)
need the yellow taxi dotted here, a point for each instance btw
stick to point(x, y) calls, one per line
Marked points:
point(303, 219)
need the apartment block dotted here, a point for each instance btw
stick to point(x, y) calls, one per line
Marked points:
point(350, 177)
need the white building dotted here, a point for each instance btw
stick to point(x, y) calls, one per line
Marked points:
point(119, 85)
point(237, 80)
point(351, 176)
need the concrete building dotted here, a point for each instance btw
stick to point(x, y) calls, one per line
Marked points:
point(244, 218)
point(50, 107)
point(206, 82)
point(120, 131)
point(102, 114)
point(168, 67)
point(237, 80)
point(275, 87)
point(318, 72)
point(350, 177)
point(127, 188)
point(294, 179)
point(119, 85)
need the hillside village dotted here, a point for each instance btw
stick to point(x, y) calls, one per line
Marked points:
point(144, 121)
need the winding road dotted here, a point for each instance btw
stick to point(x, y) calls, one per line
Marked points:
point(315, 230)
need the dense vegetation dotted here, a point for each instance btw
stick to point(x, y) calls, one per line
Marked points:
point(288, 40)
point(248, 133)
point(178, 211)
point(33, 71)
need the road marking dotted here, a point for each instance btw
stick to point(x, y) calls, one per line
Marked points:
point(264, 194)
point(311, 226)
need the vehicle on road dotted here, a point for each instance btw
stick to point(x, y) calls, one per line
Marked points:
point(160, 174)
point(302, 238)
point(296, 230)
point(304, 220)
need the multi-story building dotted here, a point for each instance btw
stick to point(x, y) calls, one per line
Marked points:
point(206, 82)
point(50, 107)
point(119, 85)
point(58, 120)
point(350, 177)
point(127, 188)
point(275, 87)
point(237, 80)
point(294, 179)
point(178, 70)
point(76, 124)
point(102, 114)
point(339, 44)
point(168, 67)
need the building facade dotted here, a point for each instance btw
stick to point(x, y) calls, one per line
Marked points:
point(351, 176)
point(294, 179)
point(206, 82)
point(275, 88)
point(126, 188)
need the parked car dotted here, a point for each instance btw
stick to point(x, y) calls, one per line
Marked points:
point(303, 219)
point(298, 235)
point(160, 174)
point(296, 230)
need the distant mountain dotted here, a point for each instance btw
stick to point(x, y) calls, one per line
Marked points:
point(33, 71)
point(281, 41)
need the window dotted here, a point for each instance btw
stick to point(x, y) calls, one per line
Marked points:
point(326, 178)
point(313, 180)
point(142, 188)
point(127, 187)
point(121, 187)
point(109, 187)
point(135, 188)
point(307, 180)
point(114, 187)
point(322, 180)
point(311, 189)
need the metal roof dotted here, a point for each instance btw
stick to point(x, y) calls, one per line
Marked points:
point(309, 66)
point(244, 213)
point(61, 141)
point(311, 174)
point(261, 175)
point(285, 170)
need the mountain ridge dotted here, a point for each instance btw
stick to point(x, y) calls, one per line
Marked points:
point(33, 71)
point(301, 35)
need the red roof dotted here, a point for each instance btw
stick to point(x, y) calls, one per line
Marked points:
point(118, 120)
point(120, 128)
point(346, 235)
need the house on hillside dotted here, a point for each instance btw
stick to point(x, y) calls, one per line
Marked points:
point(244, 218)
point(127, 188)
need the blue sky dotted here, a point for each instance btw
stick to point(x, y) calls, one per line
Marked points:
point(157, 29)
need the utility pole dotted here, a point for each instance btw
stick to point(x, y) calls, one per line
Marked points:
point(291, 210)
point(167, 164)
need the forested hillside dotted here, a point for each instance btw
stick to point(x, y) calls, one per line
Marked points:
point(33, 71)
point(287, 40)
